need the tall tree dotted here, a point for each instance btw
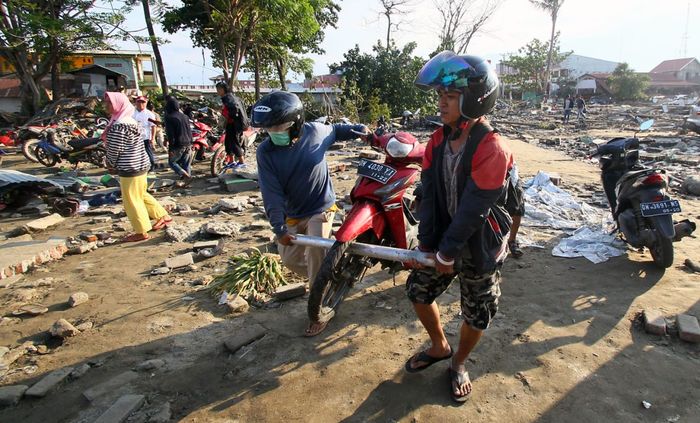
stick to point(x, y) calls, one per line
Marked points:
point(394, 8)
point(159, 8)
point(552, 8)
point(36, 34)
point(530, 64)
point(461, 20)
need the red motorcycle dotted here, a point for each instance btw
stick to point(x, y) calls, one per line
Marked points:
point(382, 214)
point(220, 162)
point(204, 140)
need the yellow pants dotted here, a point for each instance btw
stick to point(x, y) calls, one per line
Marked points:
point(140, 206)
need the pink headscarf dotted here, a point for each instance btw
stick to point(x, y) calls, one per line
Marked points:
point(123, 110)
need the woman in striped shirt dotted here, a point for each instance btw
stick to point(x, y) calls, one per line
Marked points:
point(127, 155)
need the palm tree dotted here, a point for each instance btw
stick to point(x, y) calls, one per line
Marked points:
point(154, 45)
point(552, 7)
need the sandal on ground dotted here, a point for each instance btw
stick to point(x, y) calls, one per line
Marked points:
point(515, 250)
point(423, 357)
point(162, 223)
point(135, 238)
point(320, 326)
point(458, 379)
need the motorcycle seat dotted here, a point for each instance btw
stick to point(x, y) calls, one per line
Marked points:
point(82, 143)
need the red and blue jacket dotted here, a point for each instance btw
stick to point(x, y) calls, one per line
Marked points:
point(479, 190)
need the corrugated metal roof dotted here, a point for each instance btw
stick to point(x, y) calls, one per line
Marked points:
point(674, 65)
point(13, 177)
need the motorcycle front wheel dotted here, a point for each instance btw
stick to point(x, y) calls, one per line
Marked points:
point(218, 161)
point(97, 157)
point(337, 274)
point(28, 148)
point(45, 158)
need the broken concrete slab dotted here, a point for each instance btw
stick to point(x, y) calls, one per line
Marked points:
point(153, 364)
point(48, 382)
point(162, 414)
point(63, 329)
point(287, 292)
point(212, 251)
point(110, 385)
point(234, 204)
point(205, 244)
point(7, 282)
point(237, 304)
point(179, 261)
point(235, 185)
point(44, 223)
point(182, 233)
point(78, 298)
point(688, 328)
point(222, 228)
point(245, 336)
point(16, 257)
point(654, 322)
point(79, 371)
point(10, 395)
point(121, 409)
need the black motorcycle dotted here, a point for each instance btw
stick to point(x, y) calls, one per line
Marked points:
point(49, 151)
point(638, 199)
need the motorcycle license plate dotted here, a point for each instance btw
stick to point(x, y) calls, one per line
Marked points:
point(375, 171)
point(660, 208)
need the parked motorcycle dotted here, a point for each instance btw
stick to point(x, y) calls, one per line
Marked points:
point(204, 140)
point(219, 162)
point(88, 150)
point(30, 135)
point(382, 214)
point(638, 200)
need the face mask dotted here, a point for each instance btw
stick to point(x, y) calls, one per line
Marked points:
point(280, 139)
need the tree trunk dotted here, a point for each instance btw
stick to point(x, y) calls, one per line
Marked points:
point(154, 45)
point(388, 30)
point(279, 64)
point(55, 80)
point(256, 57)
point(547, 74)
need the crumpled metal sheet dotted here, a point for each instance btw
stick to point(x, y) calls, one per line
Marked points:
point(12, 178)
point(595, 244)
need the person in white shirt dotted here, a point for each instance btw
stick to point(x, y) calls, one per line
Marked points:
point(144, 117)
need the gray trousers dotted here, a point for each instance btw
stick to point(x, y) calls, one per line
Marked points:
point(305, 261)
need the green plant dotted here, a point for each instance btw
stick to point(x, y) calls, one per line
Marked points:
point(249, 274)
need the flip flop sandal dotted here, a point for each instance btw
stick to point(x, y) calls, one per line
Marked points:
point(308, 333)
point(162, 223)
point(135, 238)
point(515, 250)
point(425, 358)
point(458, 378)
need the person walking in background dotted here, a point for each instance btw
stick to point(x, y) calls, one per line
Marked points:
point(179, 138)
point(126, 155)
point(568, 106)
point(158, 126)
point(144, 117)
point(236, 123)
point(581, 107)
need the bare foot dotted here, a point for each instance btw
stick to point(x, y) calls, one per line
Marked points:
point(315, 328)
point(460, 384)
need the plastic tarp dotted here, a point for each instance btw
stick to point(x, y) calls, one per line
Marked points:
point(547, 205)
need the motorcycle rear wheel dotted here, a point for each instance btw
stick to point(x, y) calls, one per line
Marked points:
point(662, 251)
point(43, 157)
point(218, 160)
point(28, 147)
point(337, 274)
point(97, 157)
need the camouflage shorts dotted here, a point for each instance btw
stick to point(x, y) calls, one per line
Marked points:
point(478, 293)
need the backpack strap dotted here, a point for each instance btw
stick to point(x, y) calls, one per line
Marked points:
point(477, 133)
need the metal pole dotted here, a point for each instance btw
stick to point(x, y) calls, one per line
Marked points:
point(369, 250)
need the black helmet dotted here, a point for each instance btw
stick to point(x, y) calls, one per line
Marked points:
point(471, 75)
point(277, 108)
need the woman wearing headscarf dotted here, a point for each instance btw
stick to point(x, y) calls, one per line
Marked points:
point(179, 138)
point(126, 154)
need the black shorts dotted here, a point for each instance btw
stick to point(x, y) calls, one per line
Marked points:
point(479, 294)
point(515, 203)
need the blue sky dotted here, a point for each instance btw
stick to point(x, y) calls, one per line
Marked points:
point(639, 32)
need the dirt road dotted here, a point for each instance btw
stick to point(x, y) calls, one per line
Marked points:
point(566, 345)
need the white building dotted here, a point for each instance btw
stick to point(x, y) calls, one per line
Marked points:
point(575, 66)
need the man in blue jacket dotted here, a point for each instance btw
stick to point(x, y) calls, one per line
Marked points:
point(295, 181)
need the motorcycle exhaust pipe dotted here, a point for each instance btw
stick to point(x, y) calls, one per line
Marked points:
point(369, 250)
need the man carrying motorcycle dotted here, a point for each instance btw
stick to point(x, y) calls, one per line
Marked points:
point(295, 181)
point(236, 123)
point(462, 222)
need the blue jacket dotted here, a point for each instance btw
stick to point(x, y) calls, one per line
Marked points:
point(294, 180)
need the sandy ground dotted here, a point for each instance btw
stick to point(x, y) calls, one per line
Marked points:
point(566, 345)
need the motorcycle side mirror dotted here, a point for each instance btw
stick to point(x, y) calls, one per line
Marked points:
point(646, 125)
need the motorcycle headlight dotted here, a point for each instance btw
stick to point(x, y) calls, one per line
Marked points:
point(397, 149)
